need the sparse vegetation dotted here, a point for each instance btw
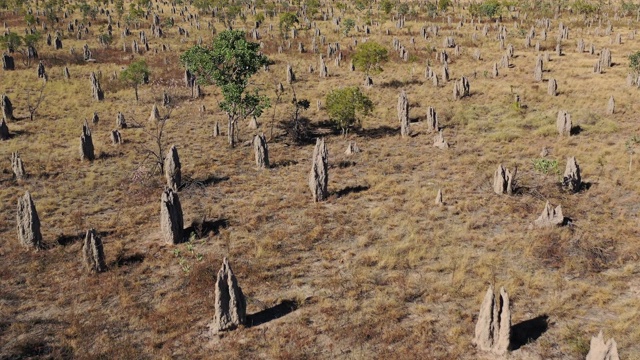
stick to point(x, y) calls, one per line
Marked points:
point(346, 106)
point(369, 57)
point(229, 64)
point(136, 74)
point(377, 269)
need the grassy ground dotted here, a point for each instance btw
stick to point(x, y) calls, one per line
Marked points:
point(378, 270)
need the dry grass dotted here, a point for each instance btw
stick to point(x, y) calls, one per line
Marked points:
point(377, 271)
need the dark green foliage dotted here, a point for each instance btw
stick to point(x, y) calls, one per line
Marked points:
point(313, 7)
point(345, 104)
point(488, 8)
point(229, 64)
point(386, 6)
point(11, 41)
point(136, 74)
point(403, 9)
point(369, 56)
point(584, 7)
point(443, 5)
point(347, 26)
point(287, 20)
point(634, 62)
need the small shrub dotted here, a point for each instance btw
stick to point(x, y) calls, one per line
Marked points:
point(343, 106)
point(546, 166)
point(634, 62)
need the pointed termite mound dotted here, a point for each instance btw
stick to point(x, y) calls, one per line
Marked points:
point(216, 130)
point(403, 113)
point(171, 221)
point(552, 87)
point(503, 180)
point(28, 222)
point(92, 252)
point(599, 350)
point(155, 114)
point(432, 120)
point(572, 179)
point(493, 328)
point(86, 144)
point(96, 90)
point(253, 123)
point(439, 142)
point(230, 304)
point(439, 198)
point(537, 71)
point(352, 148)
point(4, 130)
point(291, 77)
point(261, 151)
point(461, 88)
point(116, 137)
point(563, 123)
point(172, 169)
point(550, 217)
point(17, 167)
point(611, 106)
point(121, 123)
point(319, 174)
point(7, 108)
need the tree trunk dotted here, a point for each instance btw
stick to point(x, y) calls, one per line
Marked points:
point(230, 132)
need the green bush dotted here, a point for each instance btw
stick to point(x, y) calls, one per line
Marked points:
point(585, 8)
point(488, 8)
point(634, 62)
point(345, 105)
point(443, 5)
point(546, 166)
point(369, 56)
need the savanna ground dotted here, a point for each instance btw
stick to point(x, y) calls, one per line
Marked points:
point(378, 270)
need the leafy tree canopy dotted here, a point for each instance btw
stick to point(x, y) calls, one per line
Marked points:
point(345, 105)
point(229, 64)
point(369, 56)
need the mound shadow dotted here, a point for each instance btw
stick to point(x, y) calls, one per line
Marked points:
point(396, 84)
point(129, 260)
point(69, 239)
point(379, 132)
point(209, 180)
point(272, 313)
point(528, 331)
point(575, 130)
point(201, 228)
point(283, 163)
point(351, 190)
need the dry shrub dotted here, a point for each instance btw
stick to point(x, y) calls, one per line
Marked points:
point(581, 253)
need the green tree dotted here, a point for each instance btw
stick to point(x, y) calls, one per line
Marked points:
point(287, 20)
point(369, 56)
point(488, 8)
point(386, 6)
point(634, 62)
point(229, 64)
point(30, 19)
point(345, 105)
point(403, 9)
point(584, 7)
point(313, 7)
point(119, 5)
point(11, 41)
point(443, 5)
point(347, 26)
point(32, 40)
point(136, 74)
